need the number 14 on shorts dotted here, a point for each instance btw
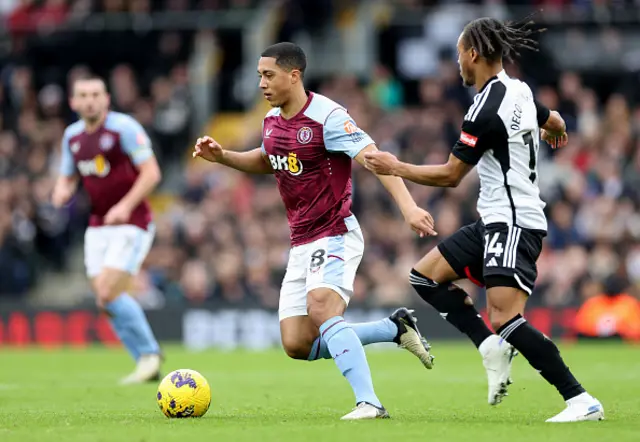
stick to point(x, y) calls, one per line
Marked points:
point(493, 249)
point(500, 248)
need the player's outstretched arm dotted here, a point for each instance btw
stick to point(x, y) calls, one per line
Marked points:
point(420, 220)
point(252, 161)
point(441, 175)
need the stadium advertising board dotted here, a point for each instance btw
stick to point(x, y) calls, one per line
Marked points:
point(223, 328)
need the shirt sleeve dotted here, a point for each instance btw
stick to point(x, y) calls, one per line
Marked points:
point(135, 141)
point(67, 164)
point(473, 141)
point(543, 113)
point(341, 134)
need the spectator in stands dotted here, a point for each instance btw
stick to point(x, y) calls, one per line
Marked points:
point(609, 312)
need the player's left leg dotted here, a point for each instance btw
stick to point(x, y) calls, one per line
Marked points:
point(127, 249)
point(325, 309)
point(461, 256)
point(331, 270)
point(509, 283)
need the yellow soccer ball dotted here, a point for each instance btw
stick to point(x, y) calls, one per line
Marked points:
point(184, 393)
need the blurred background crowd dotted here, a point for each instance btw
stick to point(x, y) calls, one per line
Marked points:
point(222, 236)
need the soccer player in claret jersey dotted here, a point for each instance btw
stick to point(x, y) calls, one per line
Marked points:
point(308, 144)
point(111, 153)
point(500, 134)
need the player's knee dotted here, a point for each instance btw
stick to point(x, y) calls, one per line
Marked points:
point(503, 304)
point(446, 297)
point(105, 290)
point(295, 348)
point(499, 316)
point(324, 304)
point(435, 267)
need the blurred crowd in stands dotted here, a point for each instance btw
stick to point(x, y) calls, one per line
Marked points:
point(226, 238)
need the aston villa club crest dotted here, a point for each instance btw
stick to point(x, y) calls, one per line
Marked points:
point(106, 141)
point(305, 135)
point(75, 147)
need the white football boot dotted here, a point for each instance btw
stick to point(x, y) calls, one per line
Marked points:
point(497, 355)
point(364, 410)
point(410, 338)
point(583, 407)
point(147, 369)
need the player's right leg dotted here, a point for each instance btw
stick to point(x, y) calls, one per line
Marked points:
point(112, 255)
point(461, 256)
point(299, 330)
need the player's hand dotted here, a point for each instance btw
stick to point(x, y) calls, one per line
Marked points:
point(118, 214)
point(556, 141)
point(209, 149)
point(421, 222)
point(61, 196)
point(381, 163)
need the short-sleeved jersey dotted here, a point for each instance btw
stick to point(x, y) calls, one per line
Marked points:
point(311, 155)
point(500, 133)
point(106, 160)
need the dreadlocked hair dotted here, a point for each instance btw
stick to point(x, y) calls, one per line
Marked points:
point(494, 40)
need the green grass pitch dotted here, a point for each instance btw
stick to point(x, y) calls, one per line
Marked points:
point(71, 395)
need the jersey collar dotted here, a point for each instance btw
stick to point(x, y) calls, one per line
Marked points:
point(304, 108)
point(499, 76)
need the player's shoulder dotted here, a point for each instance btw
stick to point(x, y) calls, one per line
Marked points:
point(321, 108)
point(517, 89)
point(117, 121)
point(486, 104)
point(74, 129)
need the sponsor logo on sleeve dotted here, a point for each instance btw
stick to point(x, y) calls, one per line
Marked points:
point(142, 139)
point(355, 133)
point(467, 139)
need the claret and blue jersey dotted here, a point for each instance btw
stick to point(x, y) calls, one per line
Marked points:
point(311, 155)
point(106, 161)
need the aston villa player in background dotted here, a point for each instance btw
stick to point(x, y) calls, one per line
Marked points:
point(111, 153)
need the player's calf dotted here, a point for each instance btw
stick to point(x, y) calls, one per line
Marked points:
point(129, 322)
point(453, 304)
point(325, 307)
point(542, 354)
point(400, 327)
